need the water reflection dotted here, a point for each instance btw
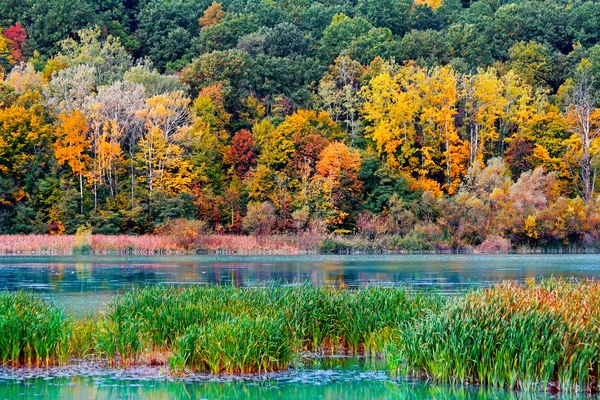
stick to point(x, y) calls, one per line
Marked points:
point(84, 284)
point(353, 386)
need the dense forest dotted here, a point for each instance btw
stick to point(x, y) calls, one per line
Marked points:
point(446, 124)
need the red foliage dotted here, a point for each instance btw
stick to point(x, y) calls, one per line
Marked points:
point(242, 153)
point(17, 35)
point(308, 150)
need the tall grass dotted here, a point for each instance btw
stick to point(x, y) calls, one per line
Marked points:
point(226, 329)
point(539, 337)
point(32, 332)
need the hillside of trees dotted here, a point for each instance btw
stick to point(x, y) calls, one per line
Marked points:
point(446, 124)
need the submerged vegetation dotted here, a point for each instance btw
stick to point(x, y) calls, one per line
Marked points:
point(537, 337)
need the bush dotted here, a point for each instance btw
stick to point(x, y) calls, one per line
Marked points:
point(186, 233)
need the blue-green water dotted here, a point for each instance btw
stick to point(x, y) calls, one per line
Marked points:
point(334, 379)
point(84, 284)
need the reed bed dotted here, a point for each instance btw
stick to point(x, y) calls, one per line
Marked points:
point(32, 332)
point(538, 337)
point(542, 337)
point(157, 244)
point(227, 329)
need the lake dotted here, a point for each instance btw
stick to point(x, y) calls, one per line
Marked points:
point(85, 284)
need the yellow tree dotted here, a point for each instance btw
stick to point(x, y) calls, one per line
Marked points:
point(484, 105)
point(160, 144)
point(213, 14)
point(71, 145)
point(391, 109)
point(441, 147)
point(6, 58)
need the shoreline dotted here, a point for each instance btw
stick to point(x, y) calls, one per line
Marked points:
point(298, 244)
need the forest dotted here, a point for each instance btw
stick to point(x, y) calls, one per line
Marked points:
point(437, 124)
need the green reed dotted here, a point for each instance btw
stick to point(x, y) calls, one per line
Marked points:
point(227, 329)
point(32, 332)
point(531, 338)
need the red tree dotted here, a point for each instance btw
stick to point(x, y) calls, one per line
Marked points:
point(242, 153)
point(17, 35)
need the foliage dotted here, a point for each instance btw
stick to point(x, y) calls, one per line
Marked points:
point(352, 116)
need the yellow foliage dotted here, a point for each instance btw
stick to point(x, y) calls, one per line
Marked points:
point(72, 143)
point(434, 4)
point(531, 227)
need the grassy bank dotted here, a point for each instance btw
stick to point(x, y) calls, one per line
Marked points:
point(536, 337)
point(303, 243)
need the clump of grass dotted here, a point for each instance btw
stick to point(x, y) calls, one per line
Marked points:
point(32, 332)
point(227, 329)
point(235, 345)
point(538, 337)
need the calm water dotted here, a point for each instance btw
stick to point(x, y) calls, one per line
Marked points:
point(84, 285)
point(334, 379)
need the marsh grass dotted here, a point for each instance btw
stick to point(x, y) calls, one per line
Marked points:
point(536, 337)
point(227, 329)
point(32, 332)
point(541, 337)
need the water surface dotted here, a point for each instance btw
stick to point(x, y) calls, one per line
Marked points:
point(83, 284)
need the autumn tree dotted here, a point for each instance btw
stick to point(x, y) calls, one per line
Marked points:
point(213, 14)
point(17, 35)
point(72, 144)
point(242, 153)
point(160, 144)
point(583, 118)
point(338, 168)
point(6, 58)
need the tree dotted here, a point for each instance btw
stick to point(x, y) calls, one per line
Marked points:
point(118, 106)
point(17, 35)
point(108, 58)
point(213, 14)
point(160, 146)
point(485, 104)
point(6, 58)
point(583, 118)
point(284, 40)
point(340, 33)
point(339, 91)
point(242, 153)
point(24, 78)
point(228, 67)
point(72, 144)
point(69, 89)
point(338, 168)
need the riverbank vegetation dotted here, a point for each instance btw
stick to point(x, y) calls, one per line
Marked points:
point(425, 125)
point(540, 337)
